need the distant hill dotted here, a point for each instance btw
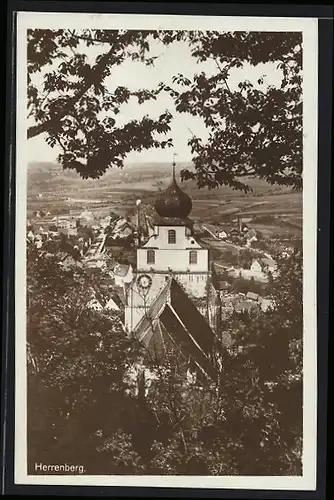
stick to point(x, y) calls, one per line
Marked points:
point(44, 177)
point(51, 187)
point(51, 167)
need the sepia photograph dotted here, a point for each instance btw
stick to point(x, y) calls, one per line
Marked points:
point(166, 179)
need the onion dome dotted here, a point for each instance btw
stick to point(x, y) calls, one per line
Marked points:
point(173, 202)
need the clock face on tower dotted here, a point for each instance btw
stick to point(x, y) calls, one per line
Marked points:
point(144, 281)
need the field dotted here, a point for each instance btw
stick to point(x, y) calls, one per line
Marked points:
point(274, 210)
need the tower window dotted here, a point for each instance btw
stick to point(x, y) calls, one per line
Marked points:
point(171, 236)
point(192, 257)
point(150, 257)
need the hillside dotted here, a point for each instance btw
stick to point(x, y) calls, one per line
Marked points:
point(118, 189)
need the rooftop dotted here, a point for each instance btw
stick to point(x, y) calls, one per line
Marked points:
point(174, 318)
point(173, 202)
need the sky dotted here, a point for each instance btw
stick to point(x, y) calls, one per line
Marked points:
point(171, 60)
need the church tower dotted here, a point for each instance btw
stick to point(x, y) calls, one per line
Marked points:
point(171, 251)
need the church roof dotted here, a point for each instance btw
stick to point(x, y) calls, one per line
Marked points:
point(173, 318)
point(173, 202)
point(172, 221)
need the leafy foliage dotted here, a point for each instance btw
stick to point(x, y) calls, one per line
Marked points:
point(77, 365)
point(254, 129)
point(74, 106)
point(90, 403)
point(249, 421)
point(269, 362)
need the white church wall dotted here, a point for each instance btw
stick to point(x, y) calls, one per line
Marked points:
point(182, 240)
point(175, 259)
point(195, 284)
point(138, 302)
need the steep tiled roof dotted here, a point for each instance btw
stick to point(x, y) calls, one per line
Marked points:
point(191, 317)
point(153, 312)
point(173, 317)
point(172, 221)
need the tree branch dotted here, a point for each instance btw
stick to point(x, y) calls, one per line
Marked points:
point(224, 79)
point(35, 130)
point(87, 38)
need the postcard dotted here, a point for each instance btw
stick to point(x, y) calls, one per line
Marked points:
point(165, 256)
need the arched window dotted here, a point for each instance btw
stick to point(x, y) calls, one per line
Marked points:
point(150, 257)
point(192, 257)
point(171, 236)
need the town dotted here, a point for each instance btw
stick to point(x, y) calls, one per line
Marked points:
point(162, 320)
point(241, 262)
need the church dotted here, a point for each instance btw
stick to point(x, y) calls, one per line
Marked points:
point(171, 296)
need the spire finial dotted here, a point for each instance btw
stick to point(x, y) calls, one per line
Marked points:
point(174, 164)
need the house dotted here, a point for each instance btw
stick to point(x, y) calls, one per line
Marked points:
point(30, 236)
point(111, 305)
point(122, 273)
point(250, 236)
point(265, 303)
point(252, 296)
point(258, 271)
point(222, 235)
point(95, 304)
point(244, 306)
point(256, 266)
point(269, 264)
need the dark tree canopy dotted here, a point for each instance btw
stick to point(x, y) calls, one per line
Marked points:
point(254, 129)
point(75, 108)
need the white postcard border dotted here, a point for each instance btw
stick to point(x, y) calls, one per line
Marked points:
point(308, 26)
